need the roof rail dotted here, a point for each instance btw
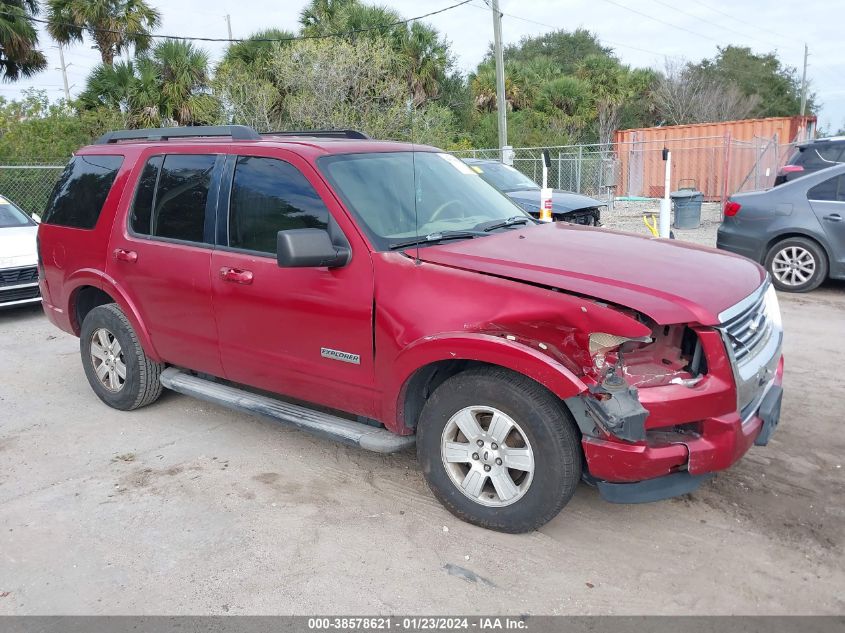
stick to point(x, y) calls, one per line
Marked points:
point(237, 132)
point(352, 134)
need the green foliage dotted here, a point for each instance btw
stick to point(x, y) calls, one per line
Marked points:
point(113, 25)
point(18, 40)
point(564, 49)
point(169, 86)
point(777, 86)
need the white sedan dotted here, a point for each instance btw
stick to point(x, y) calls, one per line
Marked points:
point(18, 256)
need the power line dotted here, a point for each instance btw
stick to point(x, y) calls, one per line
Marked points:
point(717, 25)
point(620, 44)
point(660, 20)
point(235, 40)
point(741, 21)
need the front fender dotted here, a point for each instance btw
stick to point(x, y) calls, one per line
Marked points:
point(485, 348)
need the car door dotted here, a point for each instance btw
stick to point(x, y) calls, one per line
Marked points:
point(827, 200)
point(161, 256)
point(302, 332)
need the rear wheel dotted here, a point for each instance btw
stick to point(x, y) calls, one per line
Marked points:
point(115, 364)
point(797, 264)
point(498, 450)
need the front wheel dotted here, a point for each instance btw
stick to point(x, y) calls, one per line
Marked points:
point(498, 450)
point(797, 264)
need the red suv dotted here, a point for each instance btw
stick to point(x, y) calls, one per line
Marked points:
point(390, 286)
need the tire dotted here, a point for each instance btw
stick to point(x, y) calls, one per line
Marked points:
point(807, 255)
point(140, 385)
point(543, 426)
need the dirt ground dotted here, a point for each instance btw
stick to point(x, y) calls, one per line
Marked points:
point(188, 508)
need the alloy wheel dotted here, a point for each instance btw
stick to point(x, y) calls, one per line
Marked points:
point(793, 266)
point(107, 360)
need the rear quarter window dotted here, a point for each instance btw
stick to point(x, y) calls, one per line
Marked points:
point(81, 191)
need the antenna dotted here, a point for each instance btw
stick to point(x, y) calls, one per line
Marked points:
point(417, 260)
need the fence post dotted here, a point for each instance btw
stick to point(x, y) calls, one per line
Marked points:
point(559, 168)
point(727, 169)
point(578, 169)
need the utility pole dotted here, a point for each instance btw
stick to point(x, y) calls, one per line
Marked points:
point(804, 83)
point(501, 105)
point(64, 72)
point(229, 24)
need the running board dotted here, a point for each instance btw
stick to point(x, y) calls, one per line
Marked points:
point(325, 425)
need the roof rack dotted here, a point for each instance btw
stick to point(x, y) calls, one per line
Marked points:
point(236, 132)
point(352, 134)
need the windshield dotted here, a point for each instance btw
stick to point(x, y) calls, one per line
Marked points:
point(380, 189)
point(504, 177)
point(11, 216)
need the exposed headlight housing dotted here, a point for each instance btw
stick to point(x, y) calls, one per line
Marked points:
point(773, 307)
point(602, 343)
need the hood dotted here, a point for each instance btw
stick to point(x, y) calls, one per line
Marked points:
point(670, 281)
point(17, 246)
point(562, 201)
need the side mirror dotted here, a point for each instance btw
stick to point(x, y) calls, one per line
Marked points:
point(37, 218)
point(309, 248)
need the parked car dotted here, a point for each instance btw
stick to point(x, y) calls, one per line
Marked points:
point(797, 230)
point(18, 254)
point(567, 206)
point(812, 156)
point(390, 283)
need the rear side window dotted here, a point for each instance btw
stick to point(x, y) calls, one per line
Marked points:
point(818, 156)
point(268, 196)
point(172, 196)
point(81, 191)
point(832, 189)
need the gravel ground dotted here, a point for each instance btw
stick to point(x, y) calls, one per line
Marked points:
point(187, 508)
point(628, 216)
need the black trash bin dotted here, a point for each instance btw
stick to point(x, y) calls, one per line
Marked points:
point(686, 205)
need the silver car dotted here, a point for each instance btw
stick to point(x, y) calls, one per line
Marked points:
point(18, 256)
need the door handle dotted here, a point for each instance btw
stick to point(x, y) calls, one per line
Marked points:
point(236, 275)
point(833, 217)
point(122, 255)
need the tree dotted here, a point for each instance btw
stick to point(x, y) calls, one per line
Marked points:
point(114, 25)
point(777, 87)
point(18, 40)
point(686, 95)
point(255, 51)
point(167, 87)
point(610, 88)
point(563, 48)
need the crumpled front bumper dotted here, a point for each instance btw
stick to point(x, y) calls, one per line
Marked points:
point(722, 441)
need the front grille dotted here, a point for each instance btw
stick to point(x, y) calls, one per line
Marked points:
point(18, 294)
point(18, 276)
point(749, 329)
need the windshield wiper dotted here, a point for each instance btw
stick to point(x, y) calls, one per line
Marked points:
point(436, 237)
point(517, 219)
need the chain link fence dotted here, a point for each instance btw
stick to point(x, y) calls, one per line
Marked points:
point(717, 166)
point(29, 184)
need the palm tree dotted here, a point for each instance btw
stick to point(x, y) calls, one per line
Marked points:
point(114, 25)
point(166, 87)
point(183, 75)
point(427, 55)
point(255, 51)
point(18, 39)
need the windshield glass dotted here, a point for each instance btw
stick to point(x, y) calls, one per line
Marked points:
point(382, 189)
point(504, 177)
point(11, 216)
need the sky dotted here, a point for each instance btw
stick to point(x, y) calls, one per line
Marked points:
point(642, 33)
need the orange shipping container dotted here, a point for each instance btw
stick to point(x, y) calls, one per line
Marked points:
point(715, 158)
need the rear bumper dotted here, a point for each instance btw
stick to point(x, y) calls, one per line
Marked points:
point(722, 441)
point(727, 239)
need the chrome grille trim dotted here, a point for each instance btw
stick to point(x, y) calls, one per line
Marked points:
point(753, 341)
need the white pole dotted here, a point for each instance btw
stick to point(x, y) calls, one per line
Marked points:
point(501, 106)
point(666, 203)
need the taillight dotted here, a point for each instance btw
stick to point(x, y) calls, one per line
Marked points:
point(732, 208)
point(791, 169)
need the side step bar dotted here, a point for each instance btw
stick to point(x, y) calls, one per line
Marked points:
point(315, 422)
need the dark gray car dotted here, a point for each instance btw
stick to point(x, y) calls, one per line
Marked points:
point(567, 206)
point(796, 230)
